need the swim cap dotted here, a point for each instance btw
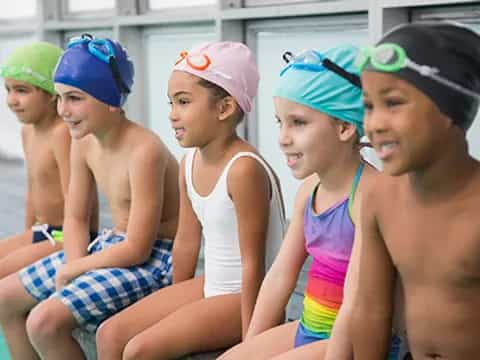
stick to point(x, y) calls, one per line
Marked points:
point(228, 64)
point(452, 49)
point(99, 67)
point(33, 64)
point(324, 90)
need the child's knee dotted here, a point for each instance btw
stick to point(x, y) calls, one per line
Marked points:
point(9, 297)
point(43, 322)
point(110, 338)
point(139, 348)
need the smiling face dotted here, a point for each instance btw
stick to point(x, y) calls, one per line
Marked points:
point(29, 103)
point(193, 116)
point(83, 113)
point(404, 126)
point(309, 139)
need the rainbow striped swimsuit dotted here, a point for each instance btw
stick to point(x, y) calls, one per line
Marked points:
point(329, 240)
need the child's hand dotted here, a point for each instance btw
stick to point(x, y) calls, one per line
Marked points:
point(65, 274)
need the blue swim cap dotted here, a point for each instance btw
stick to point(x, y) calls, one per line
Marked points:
point(325, 90)
point(99, 67)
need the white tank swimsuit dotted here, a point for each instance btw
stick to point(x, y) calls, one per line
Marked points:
point(216, 213)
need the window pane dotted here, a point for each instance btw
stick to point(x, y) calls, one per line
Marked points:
point(162, 51)
point(163, 4)
point(271, 45)
point(251, 3)
point(10, 138)
point(89, 5)
point(18, 9)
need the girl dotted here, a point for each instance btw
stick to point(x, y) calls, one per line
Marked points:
point(319, 108)
point(210, 89)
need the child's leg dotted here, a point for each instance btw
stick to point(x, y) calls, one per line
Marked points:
point(315, 350)
point(277, 340)
point(114, 334)
point(49, 327)
point(15, 242)
point(15, 303)
point(25, 256)
point(205, 325)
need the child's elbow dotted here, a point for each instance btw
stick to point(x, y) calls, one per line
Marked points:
point(139, 255)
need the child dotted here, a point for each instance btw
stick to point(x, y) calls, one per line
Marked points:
point(319, 109)
point(84, 285)
point(28, 74)
point(422, 85)
point(229, 196)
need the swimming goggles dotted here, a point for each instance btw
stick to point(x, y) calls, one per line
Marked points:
point(103, 50)
point(199, 62)
point(312, 60)
point(390, 57)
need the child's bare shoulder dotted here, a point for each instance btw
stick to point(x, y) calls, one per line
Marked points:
point(144, 143)
point(60, 132)
point(247, 169)
point(307, 186)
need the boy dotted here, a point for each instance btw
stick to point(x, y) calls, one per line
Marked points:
point(421, 85)
point(84, 285)
point(28, 74)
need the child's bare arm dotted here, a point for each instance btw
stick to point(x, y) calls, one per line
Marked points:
point(29, 211)
point(281, 279)
point(371, 322)
point(248, 186)
point(78, 205)
point(61, 150)
point(188, 238)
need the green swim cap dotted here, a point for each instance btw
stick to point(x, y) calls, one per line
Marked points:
point(34, 64)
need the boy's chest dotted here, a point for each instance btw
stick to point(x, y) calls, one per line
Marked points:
point(41, 163)
point(112, 179)
point(435, 245)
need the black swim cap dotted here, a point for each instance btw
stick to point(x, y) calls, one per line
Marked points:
point(455, 51)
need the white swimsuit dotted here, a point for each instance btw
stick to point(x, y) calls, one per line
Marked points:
point(216, 213)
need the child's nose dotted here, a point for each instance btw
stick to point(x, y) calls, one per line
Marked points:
point(12, 99)
point(61, 107)
point(284, 138)
point(375, 122)
point(173, 116)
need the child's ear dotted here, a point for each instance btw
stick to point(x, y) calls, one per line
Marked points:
point(345, 130)
point(227, 107)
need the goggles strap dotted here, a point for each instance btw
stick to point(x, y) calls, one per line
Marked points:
point(116, 74)
point(352, 78)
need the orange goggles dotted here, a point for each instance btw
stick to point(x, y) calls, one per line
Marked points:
point(196, 61)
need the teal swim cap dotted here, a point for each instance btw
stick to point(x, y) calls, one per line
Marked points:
point(323, 89)
point(33, 64)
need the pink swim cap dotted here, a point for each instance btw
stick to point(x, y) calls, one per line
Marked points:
point(228, 64)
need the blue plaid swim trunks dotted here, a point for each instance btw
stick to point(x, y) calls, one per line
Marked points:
point(98, 294)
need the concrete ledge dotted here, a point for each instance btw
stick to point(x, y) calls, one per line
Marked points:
point(87, 342)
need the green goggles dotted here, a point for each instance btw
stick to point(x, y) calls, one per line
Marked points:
point(390, 57)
